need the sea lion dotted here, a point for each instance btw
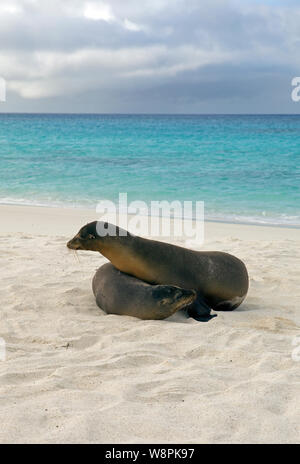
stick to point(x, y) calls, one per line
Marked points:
point(119, 293)
point(220, 279)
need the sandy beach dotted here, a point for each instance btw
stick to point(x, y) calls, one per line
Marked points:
point(73, 374)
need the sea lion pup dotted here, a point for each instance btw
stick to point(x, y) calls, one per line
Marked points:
point(220, 279)
point(119, 293)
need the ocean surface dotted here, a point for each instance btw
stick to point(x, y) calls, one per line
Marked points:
point(245, 168)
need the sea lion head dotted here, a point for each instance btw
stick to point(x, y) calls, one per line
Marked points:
point(91, 236)
point(173, 296)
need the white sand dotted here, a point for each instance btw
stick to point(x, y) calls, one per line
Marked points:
point(74, 374)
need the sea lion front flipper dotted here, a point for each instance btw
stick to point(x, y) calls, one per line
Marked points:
point(200, 311)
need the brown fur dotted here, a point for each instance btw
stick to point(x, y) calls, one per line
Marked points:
point(119, 293)
point(220, 279)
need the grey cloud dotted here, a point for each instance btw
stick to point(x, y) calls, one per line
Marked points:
point(162, 55)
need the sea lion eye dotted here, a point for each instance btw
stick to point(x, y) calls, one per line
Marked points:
point(91, 237)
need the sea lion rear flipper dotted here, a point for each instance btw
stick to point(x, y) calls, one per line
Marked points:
point(200, 311)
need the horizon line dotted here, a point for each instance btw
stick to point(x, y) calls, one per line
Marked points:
point(143, 114)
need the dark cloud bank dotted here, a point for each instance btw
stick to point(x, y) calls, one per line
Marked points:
point(158, 56)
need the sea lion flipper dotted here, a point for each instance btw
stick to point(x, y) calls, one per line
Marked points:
point(200, 311)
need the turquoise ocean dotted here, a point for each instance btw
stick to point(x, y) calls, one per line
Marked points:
point(245, 168)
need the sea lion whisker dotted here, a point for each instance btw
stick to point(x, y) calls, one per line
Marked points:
point(76, 255)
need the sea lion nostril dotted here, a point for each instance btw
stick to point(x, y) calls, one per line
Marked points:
point(72, 244)
point(183, 292)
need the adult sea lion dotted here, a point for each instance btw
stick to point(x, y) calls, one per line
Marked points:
point(119, 293)
point(220, 279)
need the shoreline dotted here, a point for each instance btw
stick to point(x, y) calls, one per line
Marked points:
point(30, 222)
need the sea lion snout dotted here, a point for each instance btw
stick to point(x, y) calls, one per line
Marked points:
point(169, 294)
point(75, 243)
point(185, 297)
point(184, 293)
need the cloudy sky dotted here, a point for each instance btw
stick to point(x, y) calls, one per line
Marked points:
point(150, 56)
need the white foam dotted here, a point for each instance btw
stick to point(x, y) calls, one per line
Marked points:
point(282, 220)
